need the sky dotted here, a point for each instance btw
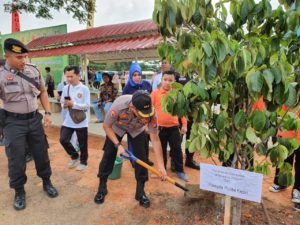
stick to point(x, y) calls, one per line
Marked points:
point(107, 12)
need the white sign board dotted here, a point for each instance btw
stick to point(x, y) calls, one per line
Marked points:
point(233, 182)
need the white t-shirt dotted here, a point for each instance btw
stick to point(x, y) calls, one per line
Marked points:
point(80, 95)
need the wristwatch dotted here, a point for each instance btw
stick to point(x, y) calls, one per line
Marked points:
point(48, 113)
point(117, 145)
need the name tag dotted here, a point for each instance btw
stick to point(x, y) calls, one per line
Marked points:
point(11, 83)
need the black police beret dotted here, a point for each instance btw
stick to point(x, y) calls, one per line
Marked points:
point(15, 46)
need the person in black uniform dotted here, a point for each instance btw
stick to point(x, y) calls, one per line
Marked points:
point(20, 84)
point(130, 114)
point(189, 161)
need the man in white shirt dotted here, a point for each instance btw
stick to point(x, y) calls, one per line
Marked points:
point(165, 66)
point(75, 96)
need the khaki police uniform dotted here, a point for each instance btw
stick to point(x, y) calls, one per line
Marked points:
point(124, 121)
point(23, 124)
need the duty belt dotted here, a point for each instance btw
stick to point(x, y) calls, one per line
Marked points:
point(21, 116)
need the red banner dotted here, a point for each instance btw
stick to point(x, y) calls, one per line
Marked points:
point(15, 21)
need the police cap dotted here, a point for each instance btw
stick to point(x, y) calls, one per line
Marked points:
point(15, 46)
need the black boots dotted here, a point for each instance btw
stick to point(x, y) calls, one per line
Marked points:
point(141, 196)
point(102, 191)
point(20, 201)
point(49, 189)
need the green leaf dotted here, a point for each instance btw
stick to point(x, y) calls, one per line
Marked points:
point(278, 155)
point(274, 59)
point(279, 96)
point(255, 81)
point(285, 176)
point(250, 135)
point(258, 120)
point(262, 150)
point(292, 96)
point(239, 119)
point(177, 86)
point(220, 50)
point(244, 10)
point(224, 99)
point(210, 72)
point(214, 95)
point(269, 78)
point(187, 89)
point(207, 48)
point(204, 153)
point(220, 122)
point(286, 179)
point(277, 74)
point(192, 146)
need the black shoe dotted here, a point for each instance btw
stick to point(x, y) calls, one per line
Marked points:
point(192, 164)
point(20, 200)
point(28, 157)
point(100, 196)
point(144, 201)
point(50, 190)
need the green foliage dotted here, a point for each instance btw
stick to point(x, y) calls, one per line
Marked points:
point(42, 9)
point(254, 56)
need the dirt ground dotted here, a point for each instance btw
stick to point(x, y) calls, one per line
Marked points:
point(75, 205)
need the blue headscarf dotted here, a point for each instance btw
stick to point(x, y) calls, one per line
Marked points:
point(135, 67)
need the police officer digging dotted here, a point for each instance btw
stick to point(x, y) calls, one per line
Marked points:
point(20, 84)
point(130, 114)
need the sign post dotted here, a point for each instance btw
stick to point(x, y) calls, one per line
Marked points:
point(233, 182)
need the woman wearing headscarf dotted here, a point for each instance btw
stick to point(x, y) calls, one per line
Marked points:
point(135, 82)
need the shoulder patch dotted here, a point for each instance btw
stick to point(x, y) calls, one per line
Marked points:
point(113, 113)
point(153, 122)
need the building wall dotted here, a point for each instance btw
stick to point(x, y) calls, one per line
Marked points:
point(56, 63)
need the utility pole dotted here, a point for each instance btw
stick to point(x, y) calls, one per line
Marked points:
point(15, 17)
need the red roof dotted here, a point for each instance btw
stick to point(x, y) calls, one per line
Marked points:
point(138, 43)
point(97, 34)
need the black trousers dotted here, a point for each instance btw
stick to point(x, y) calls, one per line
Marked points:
point(146, 145)
point(18, 134)
point(110, 153)
point(172, 136)
point(189, 155)
point(50, 92)
point(82, 135)
point(293, 159)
